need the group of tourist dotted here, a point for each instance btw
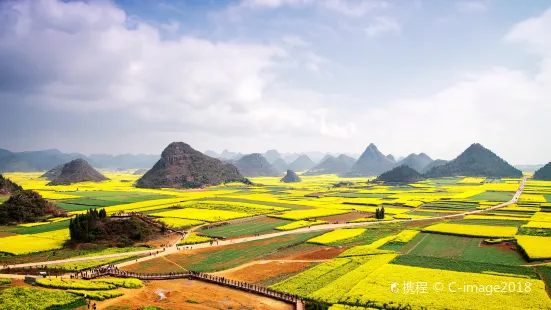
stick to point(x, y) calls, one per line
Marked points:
point(98, 271)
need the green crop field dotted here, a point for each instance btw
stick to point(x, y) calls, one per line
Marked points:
point(404, 247)
point(464, 248)
point(235, 255)
point(256, 226)
point(98, 199)
point(266, 203)
point(545, 273)
point(494, 196)
point(41, 228)
point(462, 265)
point(490, 222)
point(369, 236)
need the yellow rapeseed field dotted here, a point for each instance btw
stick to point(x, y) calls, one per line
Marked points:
point(300, 224)
point(535, 247)
point(179, 223)
point(23, 244)
point(495, 217)
point(405, 236)
point(369, 249)
point(470, 180)
point(535, 224)
point(472, 230)
point(376, 289)
point(308, 214)
point(202, 214)
point(335, 291)
point(337, 235)
point(194, 238)
point(531, 198)
point(33, 224)
point(541, 217)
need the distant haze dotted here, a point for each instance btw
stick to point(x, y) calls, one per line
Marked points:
point(118, 77)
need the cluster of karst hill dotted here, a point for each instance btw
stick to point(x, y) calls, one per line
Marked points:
point(181, 166)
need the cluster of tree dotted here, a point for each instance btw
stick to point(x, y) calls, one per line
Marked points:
point(26, 206)
point(380, 213)
point(96, 227)
point(316, 305)
point(8, 187)
point(83, 228)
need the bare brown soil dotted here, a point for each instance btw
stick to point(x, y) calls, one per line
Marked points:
point(6, 234)
point(260, 271)
point(181, 294)
point(421, 223)
point(343, 218)
point(171, 238)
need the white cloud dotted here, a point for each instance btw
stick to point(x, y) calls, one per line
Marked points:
point(535, 33)
point(293, 40)
point(381, 25)
point(82, 57)
point(171, 26)
point(505, 109)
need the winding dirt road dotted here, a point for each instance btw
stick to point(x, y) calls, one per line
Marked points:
point(173, 249)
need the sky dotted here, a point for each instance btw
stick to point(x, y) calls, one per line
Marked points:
point(410, 76)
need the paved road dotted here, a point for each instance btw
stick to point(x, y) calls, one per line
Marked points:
point(172, 250)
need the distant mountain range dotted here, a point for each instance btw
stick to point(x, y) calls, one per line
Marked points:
point(528, 168)
point(416, 162)
point(280, 165)
point(272, 155)
point(75, 171)
point(181, 166)
point(371, 162)
point(302, 163)
point(45, 160)
point(332, 165)
point(544, 173)
point(475, 161)
point(434, 163)
point(255, 165)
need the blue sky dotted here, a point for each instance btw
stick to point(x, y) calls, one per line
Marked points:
point(295, 75)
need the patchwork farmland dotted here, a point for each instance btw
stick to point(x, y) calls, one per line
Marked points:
point(236, 230)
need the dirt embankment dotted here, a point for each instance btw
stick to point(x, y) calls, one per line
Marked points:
point(186, 294)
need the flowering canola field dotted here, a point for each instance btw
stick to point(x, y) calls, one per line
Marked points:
point(23, 244)
point(337, 235)
point(472, 230)
point(362, 274)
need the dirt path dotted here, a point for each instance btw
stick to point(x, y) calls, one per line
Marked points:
point(173, 249)
point(416, 245)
